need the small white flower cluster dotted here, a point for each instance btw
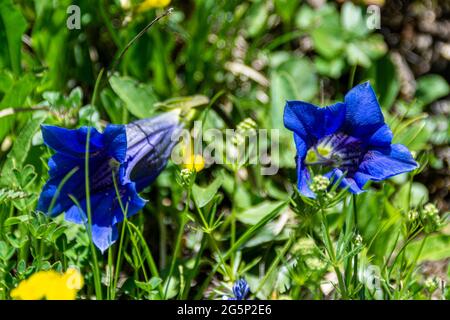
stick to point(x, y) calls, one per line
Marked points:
point(358, 240)
point(247, 127)
point(186, 177)
point(412, 215)
point(305, 246)
point(430, 210)
point(319, 184)
point(431, 284)
point(430, 217)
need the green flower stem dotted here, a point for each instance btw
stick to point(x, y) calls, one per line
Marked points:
point(242, 239)
point(330, 250)
point(109, 25)
point(118, 262)
point(111, 288)
point(97, 279)
point(162, 238)
point(183, 220)
point(213, 241)
point(402, 249)
point(414, 262)
point(195, 268)
point(137, 249)
point(351, 79)
point(355, 227)
point(274, 264)
point(147, 253)
point(233, 217)
point(132, 228)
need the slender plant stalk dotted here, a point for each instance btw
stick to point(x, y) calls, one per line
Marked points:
point(244, 238)
point(139, 35)
point(355, 228)
point(183, 220)
point(97, 279)
point(147, 253)
point(194, 271)
point(118, 262)
point(274, 264)
point(352, 77)
point(233, 217)
point(330, 250)
point(109, 25)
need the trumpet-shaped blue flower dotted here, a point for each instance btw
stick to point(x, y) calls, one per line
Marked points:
point(133, 155)
point(348, 140)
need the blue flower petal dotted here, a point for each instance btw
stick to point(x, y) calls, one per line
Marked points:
point(75, 215)
point(381, 138)
point(346, 182)
point(303, 182)
point(361, 179)
point(115, 138)
point(311, 122)
point(107, 212)
point(60, 166)
point(363, 116)
point(131, 201)
point(303, 176)
point(71, 141)
point(150, 143)
point(381, 164)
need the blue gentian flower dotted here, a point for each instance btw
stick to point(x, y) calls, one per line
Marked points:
point(240, 290)
point(134, 154)
point(349, 140)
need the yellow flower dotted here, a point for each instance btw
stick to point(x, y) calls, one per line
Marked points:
point(191, 161)
point(49, 285)
point(194, 162)
point(152, 4)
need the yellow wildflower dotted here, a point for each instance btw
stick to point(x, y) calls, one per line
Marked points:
point(191, 161)
point(194, 162)
point(152, 4)
point(49, 285)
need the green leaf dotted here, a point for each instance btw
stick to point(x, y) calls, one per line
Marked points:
point(285, 8)
point(357, 56)
point(139, 98)
point(254, 214)
point(419, 195)
point(327, 43)
point(112, 105)
point(257, 17)
point(6, 252)
point(18, 92)
point(149, 286)
point(202, 196)
point(253, 230)
point(436, 247)
point(294, 79)
point(352, 19)
point(305, 17)
point(430, 88)
point(332, 68)
point(374, 46)
point(16, 220)
point(13, 26)
point(15, 97)
point(184, 102)
point(21, 266)
point(19, 152)
point(6, 80)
